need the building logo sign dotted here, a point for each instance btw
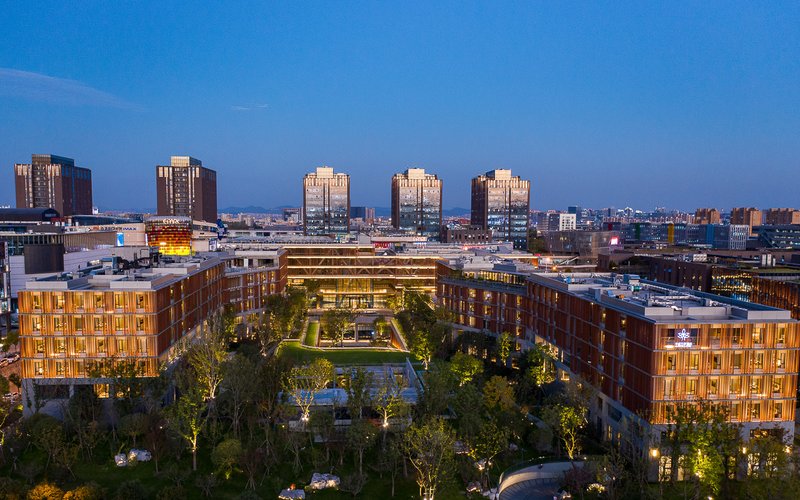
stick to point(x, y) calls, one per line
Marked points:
point(684, 338)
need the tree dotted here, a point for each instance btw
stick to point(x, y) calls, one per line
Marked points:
point(303, 382)
point(226, 456)
point(335, 322)
point(155, 437)
point(133, 425)
point(88, 491)
point(360, 437)
point(567, 421)
point(132, 489)
point(429, 448)
point(237, 390)
point(353, 484)
point(312, 292)
point(381, 327)
point(187, 417)
point(207, 356)
point(498, 395)
point(47, 434)
point(466, 404)
point(491, 441)
point(503, 347)
point(388, 402)
point(540, 369)
point(357, 385)
point(465, 367)
point(439, 384)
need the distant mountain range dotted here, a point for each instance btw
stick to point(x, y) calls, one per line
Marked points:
point(379, 211)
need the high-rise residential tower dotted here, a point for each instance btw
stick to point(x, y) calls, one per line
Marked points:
point(707, 216)
point(417, 202)
point(186, 188)
point(501, 203)
point(51, 181)
point(326, 202)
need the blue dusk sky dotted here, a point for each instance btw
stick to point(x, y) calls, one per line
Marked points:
point(643, 104)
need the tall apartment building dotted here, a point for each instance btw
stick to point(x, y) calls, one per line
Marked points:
point(781, 216)
point(326, 202)
point(51, 181)
point(417, 202)
point(186, 188)
point(501, 203)
point(750, 217)
point(562, 222)
point(707, 216)
point(644, 347)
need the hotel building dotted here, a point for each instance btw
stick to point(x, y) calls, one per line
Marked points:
point(326, 202)
point(185, 188)
point(51, 181)
point(417, 203)
point(501, 204)
point(644, 347)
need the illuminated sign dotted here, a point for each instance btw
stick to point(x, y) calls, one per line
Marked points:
point(684, 337)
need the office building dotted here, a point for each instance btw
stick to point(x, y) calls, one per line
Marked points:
point(781, 216)
point(417, 202)
point(366, 214)
point(51, 181)
point(326, 202)
point(185, 188)
point(561, 222)
point(750, 217)
point(501, 203)
point(707, 216)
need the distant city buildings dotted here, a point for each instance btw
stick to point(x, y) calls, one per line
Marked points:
point(326, 202)
point(186, 188)
point(750, 217)
point(366, 214)
point(417, 202)
point(707, 216)
point(501, 203)
point(51, 181)
point(781, 216)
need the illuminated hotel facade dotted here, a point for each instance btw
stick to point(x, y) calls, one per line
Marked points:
point(417, 203)
point(645, 347)
point(326, 202)
point(74, 324)
point(501, 204)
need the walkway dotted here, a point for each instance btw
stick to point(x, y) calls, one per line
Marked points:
point(537, 482)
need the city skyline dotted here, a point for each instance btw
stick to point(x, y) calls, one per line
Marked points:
point(634, 113)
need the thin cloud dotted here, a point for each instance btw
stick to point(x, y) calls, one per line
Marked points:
point(249, 108)
point(39, 87)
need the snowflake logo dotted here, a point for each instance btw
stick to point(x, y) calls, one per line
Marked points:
point(684, 335)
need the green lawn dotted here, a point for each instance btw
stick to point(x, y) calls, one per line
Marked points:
point(356, 356)
point(312, 334)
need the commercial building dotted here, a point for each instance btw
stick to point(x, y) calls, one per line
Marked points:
point(250, 278)
point(417, 203)
point(645, 347)
point(778, 291)
point(5, 291)
point(707, 216)
point(185, 188)
point(783, 236)
point(326, 202)
point(751, 217)
point(366, 214)
point(51, 181)
point(561, 222)
point(501, 203)
point(781, 216)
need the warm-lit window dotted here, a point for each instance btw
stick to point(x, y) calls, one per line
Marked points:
point(77, 323)
point(101, 346)
point(142, 345)
point(77, 300)
point(756, 385)
point(781, 335)
point(671, 361)
point(38, 368)
point(36, 323)
point(755, 411)
point(98, 301)
point(737, 360)
point(780, 360)
point(39, 346)
point(119, 323)
point(58, 323)
point(80, 368)
point(139, 323)
point(716, 361)
point(60, 370)
point(37, 300)
point(736, 336)
point(777, 410)
point(736, 411)
point(101, 390)
point(669, 386)
point(758, 360)
point(98, 323)
point(735, 387)
point(777, 385)
point(758, 335)
point(713, 386)
point(691, 386)
point(61, 346)
point(80, 346)
point(139, 301)
point(58, 301)
point(694, 361)
point(121, 346)
point(119, 301)
point(715, 335)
